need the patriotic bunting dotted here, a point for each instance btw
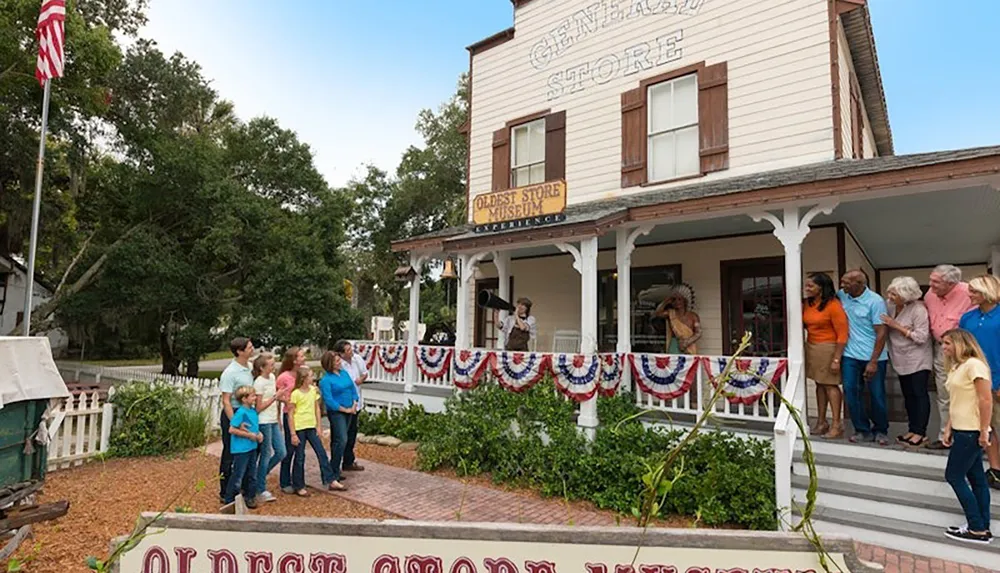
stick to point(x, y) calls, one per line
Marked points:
point(750, 379)
point(434, 361)
point(665, 377)
point(518, 371)
point(469, 367)
point(612, 368)
point(577, 376)
point(393, 357)
point(367, 353)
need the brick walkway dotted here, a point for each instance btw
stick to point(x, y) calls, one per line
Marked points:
point(424, 497)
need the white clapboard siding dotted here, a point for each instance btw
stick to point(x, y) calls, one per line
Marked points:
point(778, 57)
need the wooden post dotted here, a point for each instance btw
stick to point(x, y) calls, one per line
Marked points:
point(107, 417)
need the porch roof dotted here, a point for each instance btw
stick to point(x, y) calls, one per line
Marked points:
point(826, 179)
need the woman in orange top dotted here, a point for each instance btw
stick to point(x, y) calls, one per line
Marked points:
point(826, 328)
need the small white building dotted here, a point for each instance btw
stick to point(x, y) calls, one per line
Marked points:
point(13, 285)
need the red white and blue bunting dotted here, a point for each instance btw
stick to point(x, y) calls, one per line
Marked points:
point(393, 357)
point(518, 371)
point(577, 376)
point(612, 368)
point(750, 378)
point(367, 353)
point(469, 367)
point(434, 361)
point(663, 376)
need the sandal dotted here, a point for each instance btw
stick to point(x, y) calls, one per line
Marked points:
point(821, 428)
point(916, 441)
point(905, 438)
point(303, 493)
point(336, 486)
point(834, 433)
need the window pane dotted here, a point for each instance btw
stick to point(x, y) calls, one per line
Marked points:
point(521, 145)
point(685, 108)
point(537, 149)
point(537, 173)
point(521, 177)
point(659, 107)
point(661, 157)
point(688, 160)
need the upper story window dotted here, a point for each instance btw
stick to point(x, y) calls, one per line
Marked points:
point(673, 129)
point(527, 157)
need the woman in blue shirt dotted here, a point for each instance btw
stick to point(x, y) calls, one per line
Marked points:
point(340, 396)
point(984, 324)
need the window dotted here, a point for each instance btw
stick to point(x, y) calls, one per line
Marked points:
point(648, 332)
point(673, 129)
point(527, 154)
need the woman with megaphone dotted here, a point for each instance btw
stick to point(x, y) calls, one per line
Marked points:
point(519, 327)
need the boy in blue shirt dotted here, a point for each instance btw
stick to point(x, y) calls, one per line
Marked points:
point(244, 430)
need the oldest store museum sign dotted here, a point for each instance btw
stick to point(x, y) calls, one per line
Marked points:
point(530, 206)
point(252, 544)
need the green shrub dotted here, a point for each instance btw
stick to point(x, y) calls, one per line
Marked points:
point(156, 419)
point(531, 439)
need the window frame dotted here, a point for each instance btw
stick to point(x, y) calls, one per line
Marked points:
point(650, 134)
point(526, 124)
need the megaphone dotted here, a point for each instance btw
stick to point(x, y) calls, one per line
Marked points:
point(487, 299)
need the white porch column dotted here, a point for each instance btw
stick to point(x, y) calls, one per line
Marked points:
point(585, 262)
point(413, 327)
point(501, 260)
point(624, 245)
point(791, 230)
point(466, 274)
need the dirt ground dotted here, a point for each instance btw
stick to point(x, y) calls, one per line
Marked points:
point(107, 497)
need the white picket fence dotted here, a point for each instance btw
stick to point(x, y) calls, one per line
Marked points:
point(80, 425)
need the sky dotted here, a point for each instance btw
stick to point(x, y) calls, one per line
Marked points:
point(350, 76)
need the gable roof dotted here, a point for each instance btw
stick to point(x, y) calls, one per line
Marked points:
point(861, 42)
point(8, 264)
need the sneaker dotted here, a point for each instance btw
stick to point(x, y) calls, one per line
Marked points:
point(882, 439)
point(993, 478)
point(354, 468)
point(288, 490)
point(969, 537)
point(251, 504)
point(862, 438)
point(266, 496)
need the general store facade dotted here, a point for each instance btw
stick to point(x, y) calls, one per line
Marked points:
point(733, 146)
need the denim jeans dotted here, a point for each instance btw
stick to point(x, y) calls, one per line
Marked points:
point(865, 420)
point(917, 400)
point(285, 474)
point(299, 469)
point(352, 438)
point(339, 422)
point(243, 477)
point(272, 452)
point(966, 476)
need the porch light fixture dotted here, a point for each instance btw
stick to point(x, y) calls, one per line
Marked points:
point(405, 274)
point(449, 269)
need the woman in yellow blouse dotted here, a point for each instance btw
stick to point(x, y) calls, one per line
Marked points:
point(968, 433)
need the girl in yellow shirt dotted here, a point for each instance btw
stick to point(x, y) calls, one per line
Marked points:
point(968, 432)
point(303, 417)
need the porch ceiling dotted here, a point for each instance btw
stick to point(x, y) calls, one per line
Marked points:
point(956, 226)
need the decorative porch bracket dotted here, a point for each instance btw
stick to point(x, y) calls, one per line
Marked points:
point(585, 263)
point(413, 327)
point(501, 260)
point(624, 246)
point(466, 273)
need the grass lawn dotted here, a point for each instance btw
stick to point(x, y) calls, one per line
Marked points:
point(152, 360)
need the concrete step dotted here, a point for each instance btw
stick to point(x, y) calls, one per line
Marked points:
point(893, 454)
point(899, 504)
point(917, 538)
point(916, 479)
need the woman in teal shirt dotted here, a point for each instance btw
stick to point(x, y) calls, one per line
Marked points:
point(340, 396)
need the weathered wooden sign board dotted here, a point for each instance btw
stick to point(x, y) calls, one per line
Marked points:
point(238, 544)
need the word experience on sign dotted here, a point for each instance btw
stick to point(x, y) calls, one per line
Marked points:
point(523, 203)
point(632, 60)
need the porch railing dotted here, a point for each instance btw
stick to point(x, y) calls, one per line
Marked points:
point(786, 433)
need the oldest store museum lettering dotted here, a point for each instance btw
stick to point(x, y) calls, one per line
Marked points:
point(595, 18)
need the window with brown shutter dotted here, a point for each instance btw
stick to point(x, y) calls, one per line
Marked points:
point(529, 150)
point(676, 125)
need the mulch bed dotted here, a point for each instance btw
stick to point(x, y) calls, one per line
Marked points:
point(107, 497)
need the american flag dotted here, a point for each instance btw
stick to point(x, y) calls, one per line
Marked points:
point(51, 58)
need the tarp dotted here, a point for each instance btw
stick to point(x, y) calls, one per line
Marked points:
point(27, 370)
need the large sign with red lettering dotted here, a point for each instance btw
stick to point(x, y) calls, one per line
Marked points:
point(238, 544)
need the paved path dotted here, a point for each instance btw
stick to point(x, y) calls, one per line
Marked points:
point(424, 497)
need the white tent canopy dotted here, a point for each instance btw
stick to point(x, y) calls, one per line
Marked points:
point(27, 370)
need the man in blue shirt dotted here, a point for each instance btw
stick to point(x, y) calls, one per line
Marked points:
point(983, 322)
point(865, 358)
point(235, 376)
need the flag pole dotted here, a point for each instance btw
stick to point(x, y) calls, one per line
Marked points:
point(35, 212)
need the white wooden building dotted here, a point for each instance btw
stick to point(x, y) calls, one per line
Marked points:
point(730, 145)
point(13, 286)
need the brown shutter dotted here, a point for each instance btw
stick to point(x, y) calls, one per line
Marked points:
point(857, 121)
point(634, 137)
point(713, 117)
point(555, 146)
point(501, 159)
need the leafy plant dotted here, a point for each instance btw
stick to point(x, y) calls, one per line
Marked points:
point(156, 419)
